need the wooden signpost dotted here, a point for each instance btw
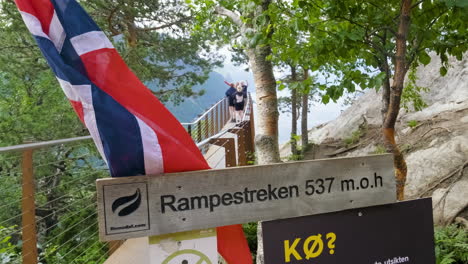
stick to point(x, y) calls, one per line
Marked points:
point(154, 205)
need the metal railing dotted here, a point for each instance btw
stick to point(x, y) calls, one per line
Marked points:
point(210, 122)
point(48, 189)
point(49, 194)
point(233, 144)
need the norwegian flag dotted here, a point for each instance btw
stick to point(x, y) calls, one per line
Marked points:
point(132, 130)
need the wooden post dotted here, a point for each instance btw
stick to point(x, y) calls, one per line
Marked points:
point(213, 122)
point(241, 157)
point(207, 127)
point(229, 148)
point(249, 144)
point(114, 245)
point(228, 117)
point(223, 113)
point(199, 130)
point(28, 221)
point(189, 130)
point(252, 125)
point(216, 119)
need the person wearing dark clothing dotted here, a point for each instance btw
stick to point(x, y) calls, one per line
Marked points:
point(244, 87)
point(239, 101)
point(229, 92)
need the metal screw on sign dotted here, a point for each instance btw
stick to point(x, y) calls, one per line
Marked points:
point(185, 254)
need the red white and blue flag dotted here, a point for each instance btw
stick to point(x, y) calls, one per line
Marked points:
point(132, 130)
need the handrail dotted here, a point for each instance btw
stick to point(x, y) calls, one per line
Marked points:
point(43, 144)
point(233, 145)
point(207, 140)
point(247, 107)
point(28, 146)
point(205, 113)
point(222, 132)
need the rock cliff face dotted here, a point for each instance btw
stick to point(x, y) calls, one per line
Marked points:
point(434, 140)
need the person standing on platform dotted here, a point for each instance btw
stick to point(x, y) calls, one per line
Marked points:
point(239, 101)
point(229, 92)
point(244, 87)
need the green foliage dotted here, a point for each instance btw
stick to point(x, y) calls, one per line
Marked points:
point(295, 157)
point(33, 108)
point(296, 137)
point(412, 123)
point(251, 158)
point(31, 101)
point(379, 149)
point(154, 39)
point(285, 103)
point(412, 93)
point(406, 148)
point(355, 41)
point(353, 138)
point(250, 231)
point(307, 147)
point(9, 253)
point(451, 245)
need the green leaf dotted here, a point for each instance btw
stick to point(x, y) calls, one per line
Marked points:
point(325, 98)
point(254, 41)
point(443, 71)
point(302, 4)
point(424, 58)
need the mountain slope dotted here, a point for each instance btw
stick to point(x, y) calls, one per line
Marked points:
point(434, 140)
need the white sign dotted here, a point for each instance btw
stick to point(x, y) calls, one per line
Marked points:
point(192, 247)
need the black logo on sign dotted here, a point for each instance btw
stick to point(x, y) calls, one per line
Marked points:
point(129, 203)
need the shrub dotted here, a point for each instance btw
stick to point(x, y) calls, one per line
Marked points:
point(412, 123)
point(379, 149)
point(295, 157)
point(353, 139)
point(451, 245)
point(250, 231)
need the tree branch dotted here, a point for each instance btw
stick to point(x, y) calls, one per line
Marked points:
point(109, 21)
point(182, 20)
point(219, 10)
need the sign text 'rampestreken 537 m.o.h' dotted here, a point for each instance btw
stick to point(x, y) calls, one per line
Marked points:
point(153, 205)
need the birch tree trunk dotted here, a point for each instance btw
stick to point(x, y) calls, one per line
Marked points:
point(266, 131)
point(305, 111)
point(266, 138)
point(293, 113)
point(396, 89)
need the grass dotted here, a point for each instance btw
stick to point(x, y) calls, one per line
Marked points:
point(379, 149)
point(295, 157)
point(354, 138)
point(405, 148)
point(412, 123)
